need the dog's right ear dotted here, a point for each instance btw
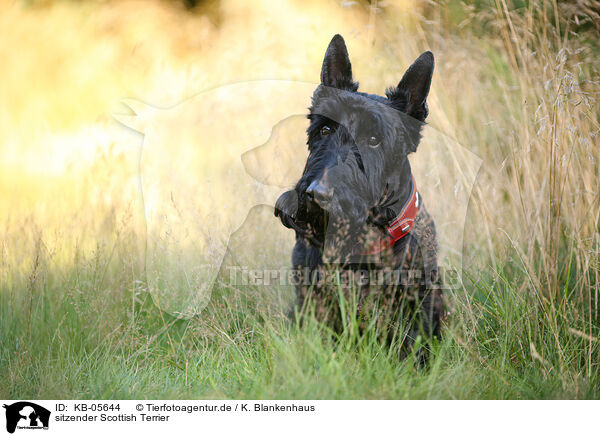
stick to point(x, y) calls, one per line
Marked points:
point(410, 96)
point(337, 70)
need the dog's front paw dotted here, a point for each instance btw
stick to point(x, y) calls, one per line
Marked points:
point(286, 208)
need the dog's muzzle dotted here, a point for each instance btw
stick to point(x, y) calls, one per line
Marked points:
point(319, 194)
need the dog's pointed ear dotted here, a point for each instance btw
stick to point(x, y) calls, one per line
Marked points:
point(337, 70)
point(410, 96)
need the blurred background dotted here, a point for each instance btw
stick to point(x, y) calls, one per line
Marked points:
point(516, 84)
point(504, 72)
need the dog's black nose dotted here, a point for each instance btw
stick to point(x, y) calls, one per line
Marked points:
point(319, 194)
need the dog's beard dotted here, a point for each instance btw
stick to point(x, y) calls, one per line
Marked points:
point(337, 234)
point(340, 231)
point(308, 221)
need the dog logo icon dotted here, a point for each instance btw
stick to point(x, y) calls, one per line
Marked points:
point(26, 415)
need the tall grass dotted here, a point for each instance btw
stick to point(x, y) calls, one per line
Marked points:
point(516, 83)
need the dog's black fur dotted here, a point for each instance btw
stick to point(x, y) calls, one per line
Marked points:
point(356, 179)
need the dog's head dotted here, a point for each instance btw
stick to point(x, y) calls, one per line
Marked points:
point(357, 173)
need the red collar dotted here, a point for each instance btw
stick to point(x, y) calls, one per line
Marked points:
point(401, 225)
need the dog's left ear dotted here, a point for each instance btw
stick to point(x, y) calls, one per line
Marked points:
point(337, 70)
point(410, 96)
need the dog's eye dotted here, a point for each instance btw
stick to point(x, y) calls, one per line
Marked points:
point(373, 141)
point(325, 131)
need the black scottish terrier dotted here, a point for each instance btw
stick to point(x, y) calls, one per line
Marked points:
point(356, 211)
